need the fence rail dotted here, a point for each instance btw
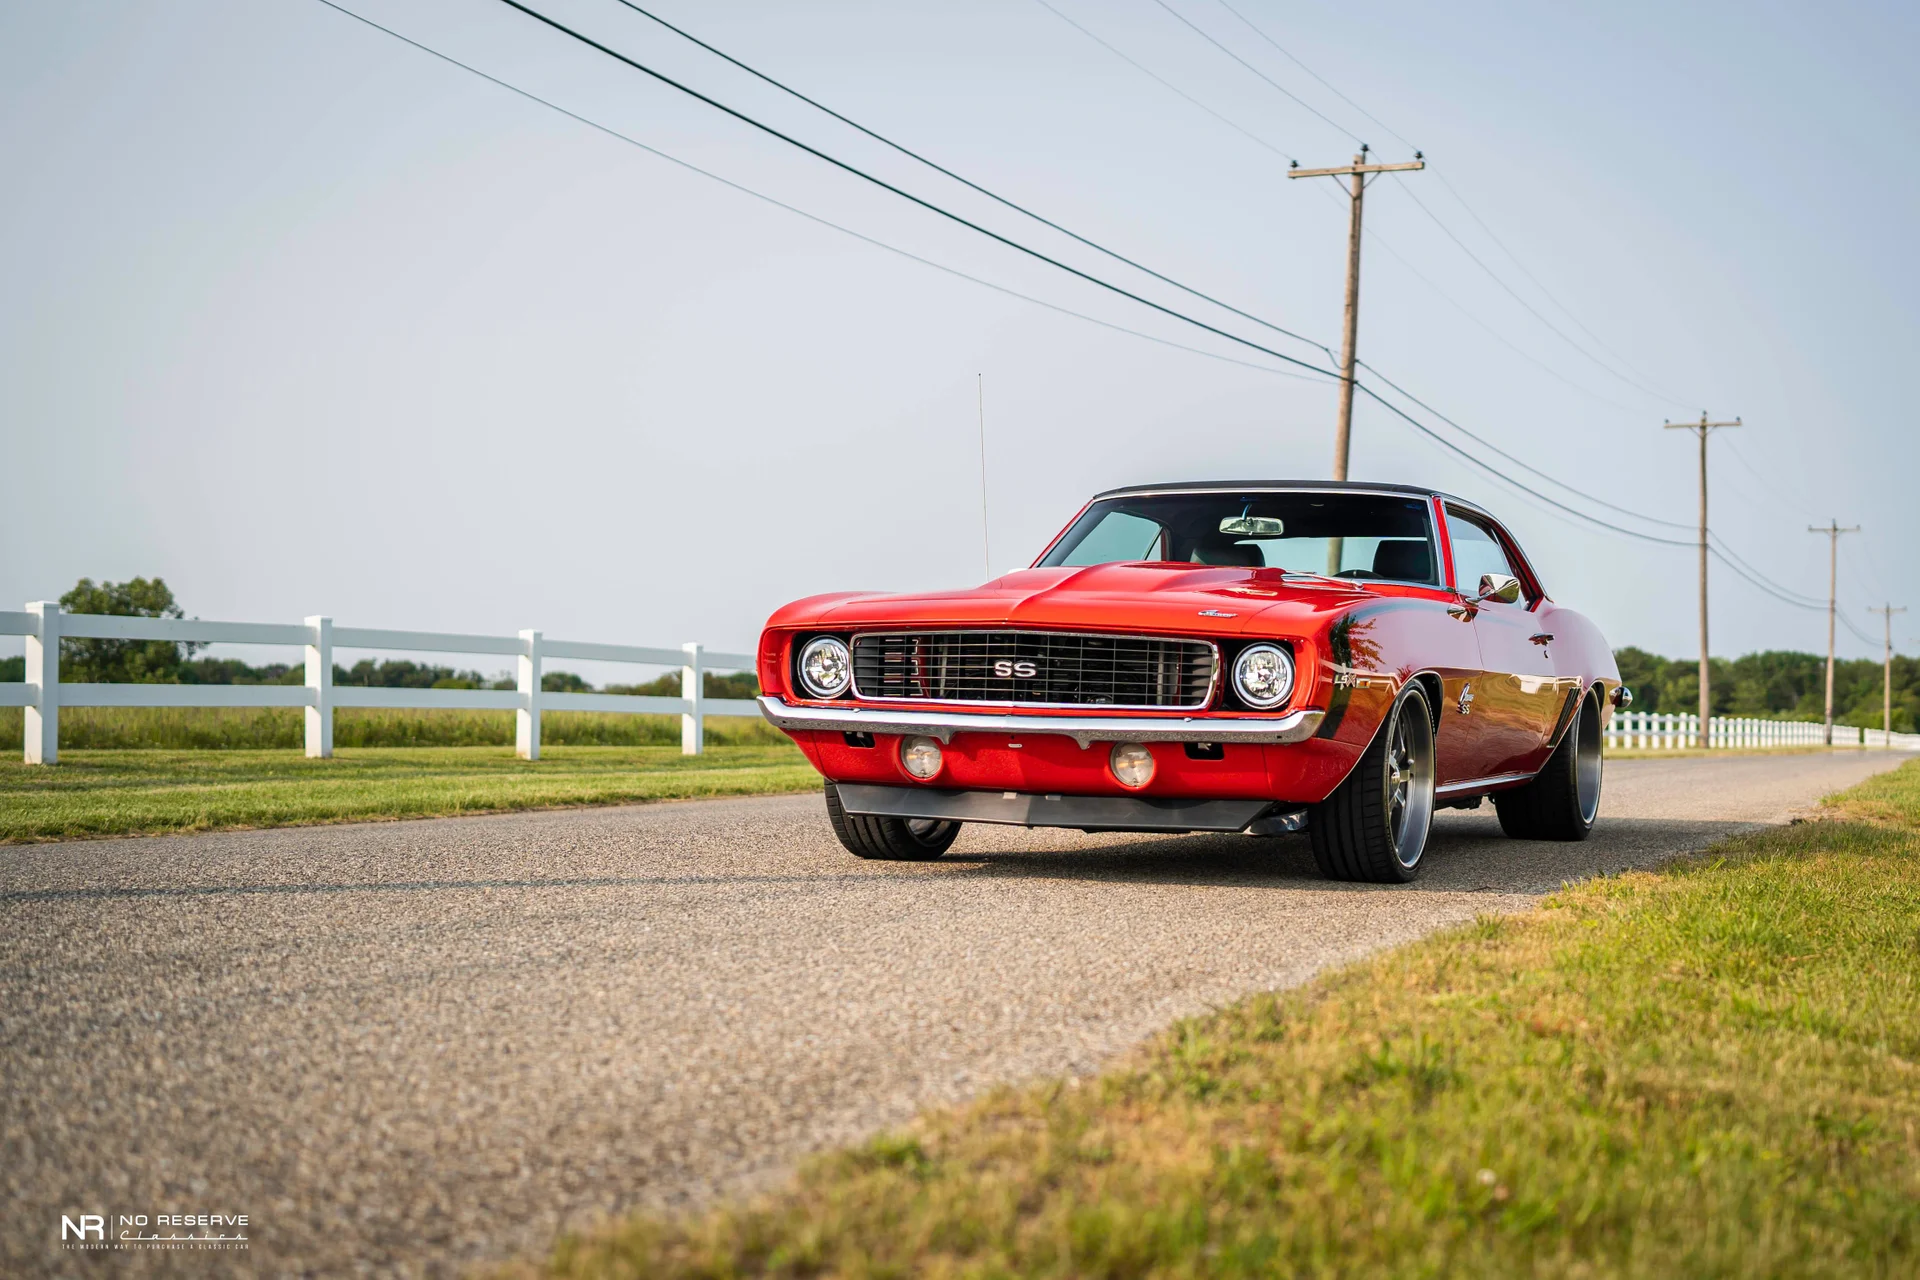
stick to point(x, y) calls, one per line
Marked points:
point(43, 693)
point(1654, 731)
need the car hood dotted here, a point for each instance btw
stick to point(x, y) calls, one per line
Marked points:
point(1154, 596)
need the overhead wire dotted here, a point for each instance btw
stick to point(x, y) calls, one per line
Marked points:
point(1439, 173)
point(1316, 378)
point(1490, 331)
point(1164, 83)
point(932, 207)
point(1317, 76)
point(1514, 258)
point(1294, 97)
point(1627, 511)
point(1530, 308)
point(968, 182)
point(904, 194)
point(1365, 389)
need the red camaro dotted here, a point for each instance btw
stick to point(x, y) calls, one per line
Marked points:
point(1260, 657)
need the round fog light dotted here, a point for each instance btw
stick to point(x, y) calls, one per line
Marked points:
point(921, 756)
point(1132, 764)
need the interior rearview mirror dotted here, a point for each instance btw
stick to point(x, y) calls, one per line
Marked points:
point(1253, 526)
point(1501, 587)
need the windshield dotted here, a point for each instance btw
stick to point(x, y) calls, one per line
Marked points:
point(1351, 535)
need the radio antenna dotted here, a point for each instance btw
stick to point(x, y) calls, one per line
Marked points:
point(986, 542)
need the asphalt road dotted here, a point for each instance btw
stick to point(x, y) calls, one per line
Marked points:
point(407, 1047)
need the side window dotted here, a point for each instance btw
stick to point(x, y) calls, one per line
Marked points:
point(1118, 537)
point(1475, 552)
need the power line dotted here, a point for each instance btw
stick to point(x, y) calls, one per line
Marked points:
point(1803, 599)
point(1490, 331)
point(1531, 309)
point(1275, 84)
point(904, 194)
point(1317, 76)
point(1163, 82)
point(968, 182)
point(1420, 427)
point(1451, 189)
point(1625, 511)
point(814, 217)
point(1535, 280)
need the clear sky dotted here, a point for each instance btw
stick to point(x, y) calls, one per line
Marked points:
point(307, 321)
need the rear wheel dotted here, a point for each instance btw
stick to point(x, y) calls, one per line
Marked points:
point(889, 839)
point(1374, 826)
point(1564, 798)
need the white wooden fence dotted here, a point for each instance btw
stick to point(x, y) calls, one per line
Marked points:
point(43, 693)
point(1654, 731)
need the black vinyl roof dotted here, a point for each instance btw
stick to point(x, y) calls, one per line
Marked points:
point(1230, 485)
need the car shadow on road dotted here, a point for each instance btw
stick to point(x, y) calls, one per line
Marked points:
point(1465, 854)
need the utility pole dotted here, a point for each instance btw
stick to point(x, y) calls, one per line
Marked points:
point(1343, 427)
point(1886, 695)
point(1357, 171)
point(1703, 429)
point(1833, 532)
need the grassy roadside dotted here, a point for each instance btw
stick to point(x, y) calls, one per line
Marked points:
point(122, 792)
point(1713, 1071)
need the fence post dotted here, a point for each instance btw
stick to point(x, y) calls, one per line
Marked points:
point(319, 687)
point(526, 720)
point(43, 672)
point(693, 723)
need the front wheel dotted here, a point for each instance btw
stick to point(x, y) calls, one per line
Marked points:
point(1564, 798)
point(889, 839)
point(1374, 826)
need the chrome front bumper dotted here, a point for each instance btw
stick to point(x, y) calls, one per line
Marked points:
point(1296, 726)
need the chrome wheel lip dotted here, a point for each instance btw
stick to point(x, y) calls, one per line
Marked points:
point(1588, 761)
point(1409, 783)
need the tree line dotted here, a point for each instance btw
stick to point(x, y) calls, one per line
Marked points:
point(1777, 684)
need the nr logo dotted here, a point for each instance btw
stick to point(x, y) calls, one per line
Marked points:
point(1008, 669)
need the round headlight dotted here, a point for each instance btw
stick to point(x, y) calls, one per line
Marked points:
point(921, 756)
point(826, 668)
point(1263, 675)
point(1132, 764)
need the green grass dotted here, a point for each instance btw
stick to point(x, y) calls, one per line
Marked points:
point(1713, 1071)
point(120, 792)
point(267, 728)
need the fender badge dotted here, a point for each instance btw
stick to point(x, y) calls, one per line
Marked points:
point(1466, 698)
point(1218, 613)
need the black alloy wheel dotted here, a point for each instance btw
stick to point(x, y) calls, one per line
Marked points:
point(889, 839)
point(1374, 826)
point(1563, 799)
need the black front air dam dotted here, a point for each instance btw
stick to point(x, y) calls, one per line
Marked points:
point(1085, 813)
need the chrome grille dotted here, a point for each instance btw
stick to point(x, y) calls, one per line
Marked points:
point(1033, 668)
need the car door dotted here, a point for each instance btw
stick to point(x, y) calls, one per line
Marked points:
point(1516, 701)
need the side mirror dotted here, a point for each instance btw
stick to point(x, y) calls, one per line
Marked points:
point(1500, 587)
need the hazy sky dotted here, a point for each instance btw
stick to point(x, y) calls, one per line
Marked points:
point(307, 321)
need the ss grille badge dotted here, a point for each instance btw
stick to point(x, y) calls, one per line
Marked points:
point(1009, 670)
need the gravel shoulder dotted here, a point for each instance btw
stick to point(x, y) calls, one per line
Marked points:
point(414, 1046)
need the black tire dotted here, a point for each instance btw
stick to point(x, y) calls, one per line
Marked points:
point(1563, 799)
point(889, 839)
point(1374, 826)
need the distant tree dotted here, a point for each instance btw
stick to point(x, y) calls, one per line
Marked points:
point(13, 669)
point(131, 661)
point(737, 684)
point(563, 682)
